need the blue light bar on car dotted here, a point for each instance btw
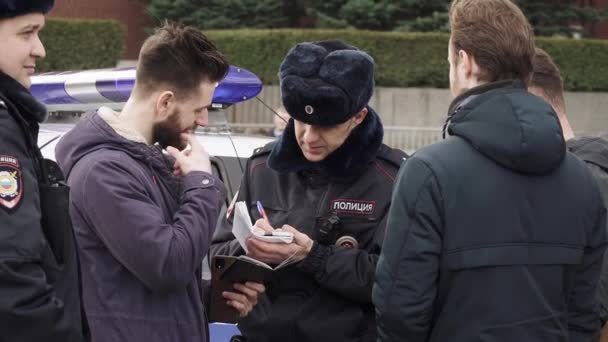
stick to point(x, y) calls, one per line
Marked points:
point(91, 89)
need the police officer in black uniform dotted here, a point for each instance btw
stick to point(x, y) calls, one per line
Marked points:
point(39, 276)
point(328, 180)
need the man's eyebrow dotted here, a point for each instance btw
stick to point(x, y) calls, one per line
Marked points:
point(29, 27)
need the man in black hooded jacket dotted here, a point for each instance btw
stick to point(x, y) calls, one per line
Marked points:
point(39, 276)
point(546, 82)
point(593, 150)
point(328, 180)
point(496, 233)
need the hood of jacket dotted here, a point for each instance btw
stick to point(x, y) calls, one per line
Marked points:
point(507, 124)
point(98, 130)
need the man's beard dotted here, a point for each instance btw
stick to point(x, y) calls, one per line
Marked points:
point(168, 133)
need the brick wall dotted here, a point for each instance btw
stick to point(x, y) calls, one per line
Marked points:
point(600, 30)
point(131, 13)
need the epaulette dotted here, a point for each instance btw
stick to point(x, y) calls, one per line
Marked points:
point(260, 151)
point(392, 155)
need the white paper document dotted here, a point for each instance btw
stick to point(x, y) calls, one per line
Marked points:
point(242, 229)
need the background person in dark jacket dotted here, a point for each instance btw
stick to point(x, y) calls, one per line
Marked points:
point(39, 290)
point(547, 83)
point(496, 233)
point(144, 224)
point(328, 180)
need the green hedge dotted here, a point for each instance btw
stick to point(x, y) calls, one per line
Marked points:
point(404, 59)
point(81, 44)
point(583, 63)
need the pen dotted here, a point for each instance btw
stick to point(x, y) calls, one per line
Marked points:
point(262, 211)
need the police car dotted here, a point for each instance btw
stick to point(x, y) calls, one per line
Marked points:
point(69, 94)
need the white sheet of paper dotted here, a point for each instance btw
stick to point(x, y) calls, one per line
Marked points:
point(242, 228)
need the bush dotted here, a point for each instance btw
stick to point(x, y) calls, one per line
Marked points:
point(437, 22)
point(261, 51)
point(81, 44)
point(583, 63)
point(224, 14)
point(404, 59)
point(370, 14)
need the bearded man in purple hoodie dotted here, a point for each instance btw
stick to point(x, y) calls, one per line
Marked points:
point(144, 222)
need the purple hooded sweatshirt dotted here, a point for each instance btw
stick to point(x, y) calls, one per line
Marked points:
point(142, 235)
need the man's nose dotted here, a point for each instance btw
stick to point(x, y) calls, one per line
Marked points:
point(202, 119)
point(38, 50)
point(311, 133)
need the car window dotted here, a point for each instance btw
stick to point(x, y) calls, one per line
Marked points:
point(215, 170)
point(229, 171)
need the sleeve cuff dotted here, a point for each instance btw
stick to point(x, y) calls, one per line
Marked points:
point(315, 261)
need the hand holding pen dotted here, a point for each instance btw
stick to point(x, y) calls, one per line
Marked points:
point(267, 227)
point(264, 225)
point(262, 211)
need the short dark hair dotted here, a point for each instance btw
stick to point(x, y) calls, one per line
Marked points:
point(497, 34)
point(179, 57)
point(547, 78)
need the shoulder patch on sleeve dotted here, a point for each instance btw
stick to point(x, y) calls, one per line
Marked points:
point(11, 182)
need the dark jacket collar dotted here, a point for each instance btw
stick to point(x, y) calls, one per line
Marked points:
point(29, 108)
point(344, 164)
point(469, 95)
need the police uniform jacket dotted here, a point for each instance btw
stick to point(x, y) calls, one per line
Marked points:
point(39, 277)
point(341, 203)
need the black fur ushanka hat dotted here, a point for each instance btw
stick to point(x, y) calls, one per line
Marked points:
point(326, 83)
point(15, 8)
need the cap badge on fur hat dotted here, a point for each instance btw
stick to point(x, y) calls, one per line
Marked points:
point(326, 83)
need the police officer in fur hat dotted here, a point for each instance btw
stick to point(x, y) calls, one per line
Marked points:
point(327, 180)
point(39, 277)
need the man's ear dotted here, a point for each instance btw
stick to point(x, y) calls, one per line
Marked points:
point(359, 117)
point(164, 102)
point(466, 62)
point(469, 65)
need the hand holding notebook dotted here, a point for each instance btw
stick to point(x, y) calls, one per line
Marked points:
point(228, 270)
